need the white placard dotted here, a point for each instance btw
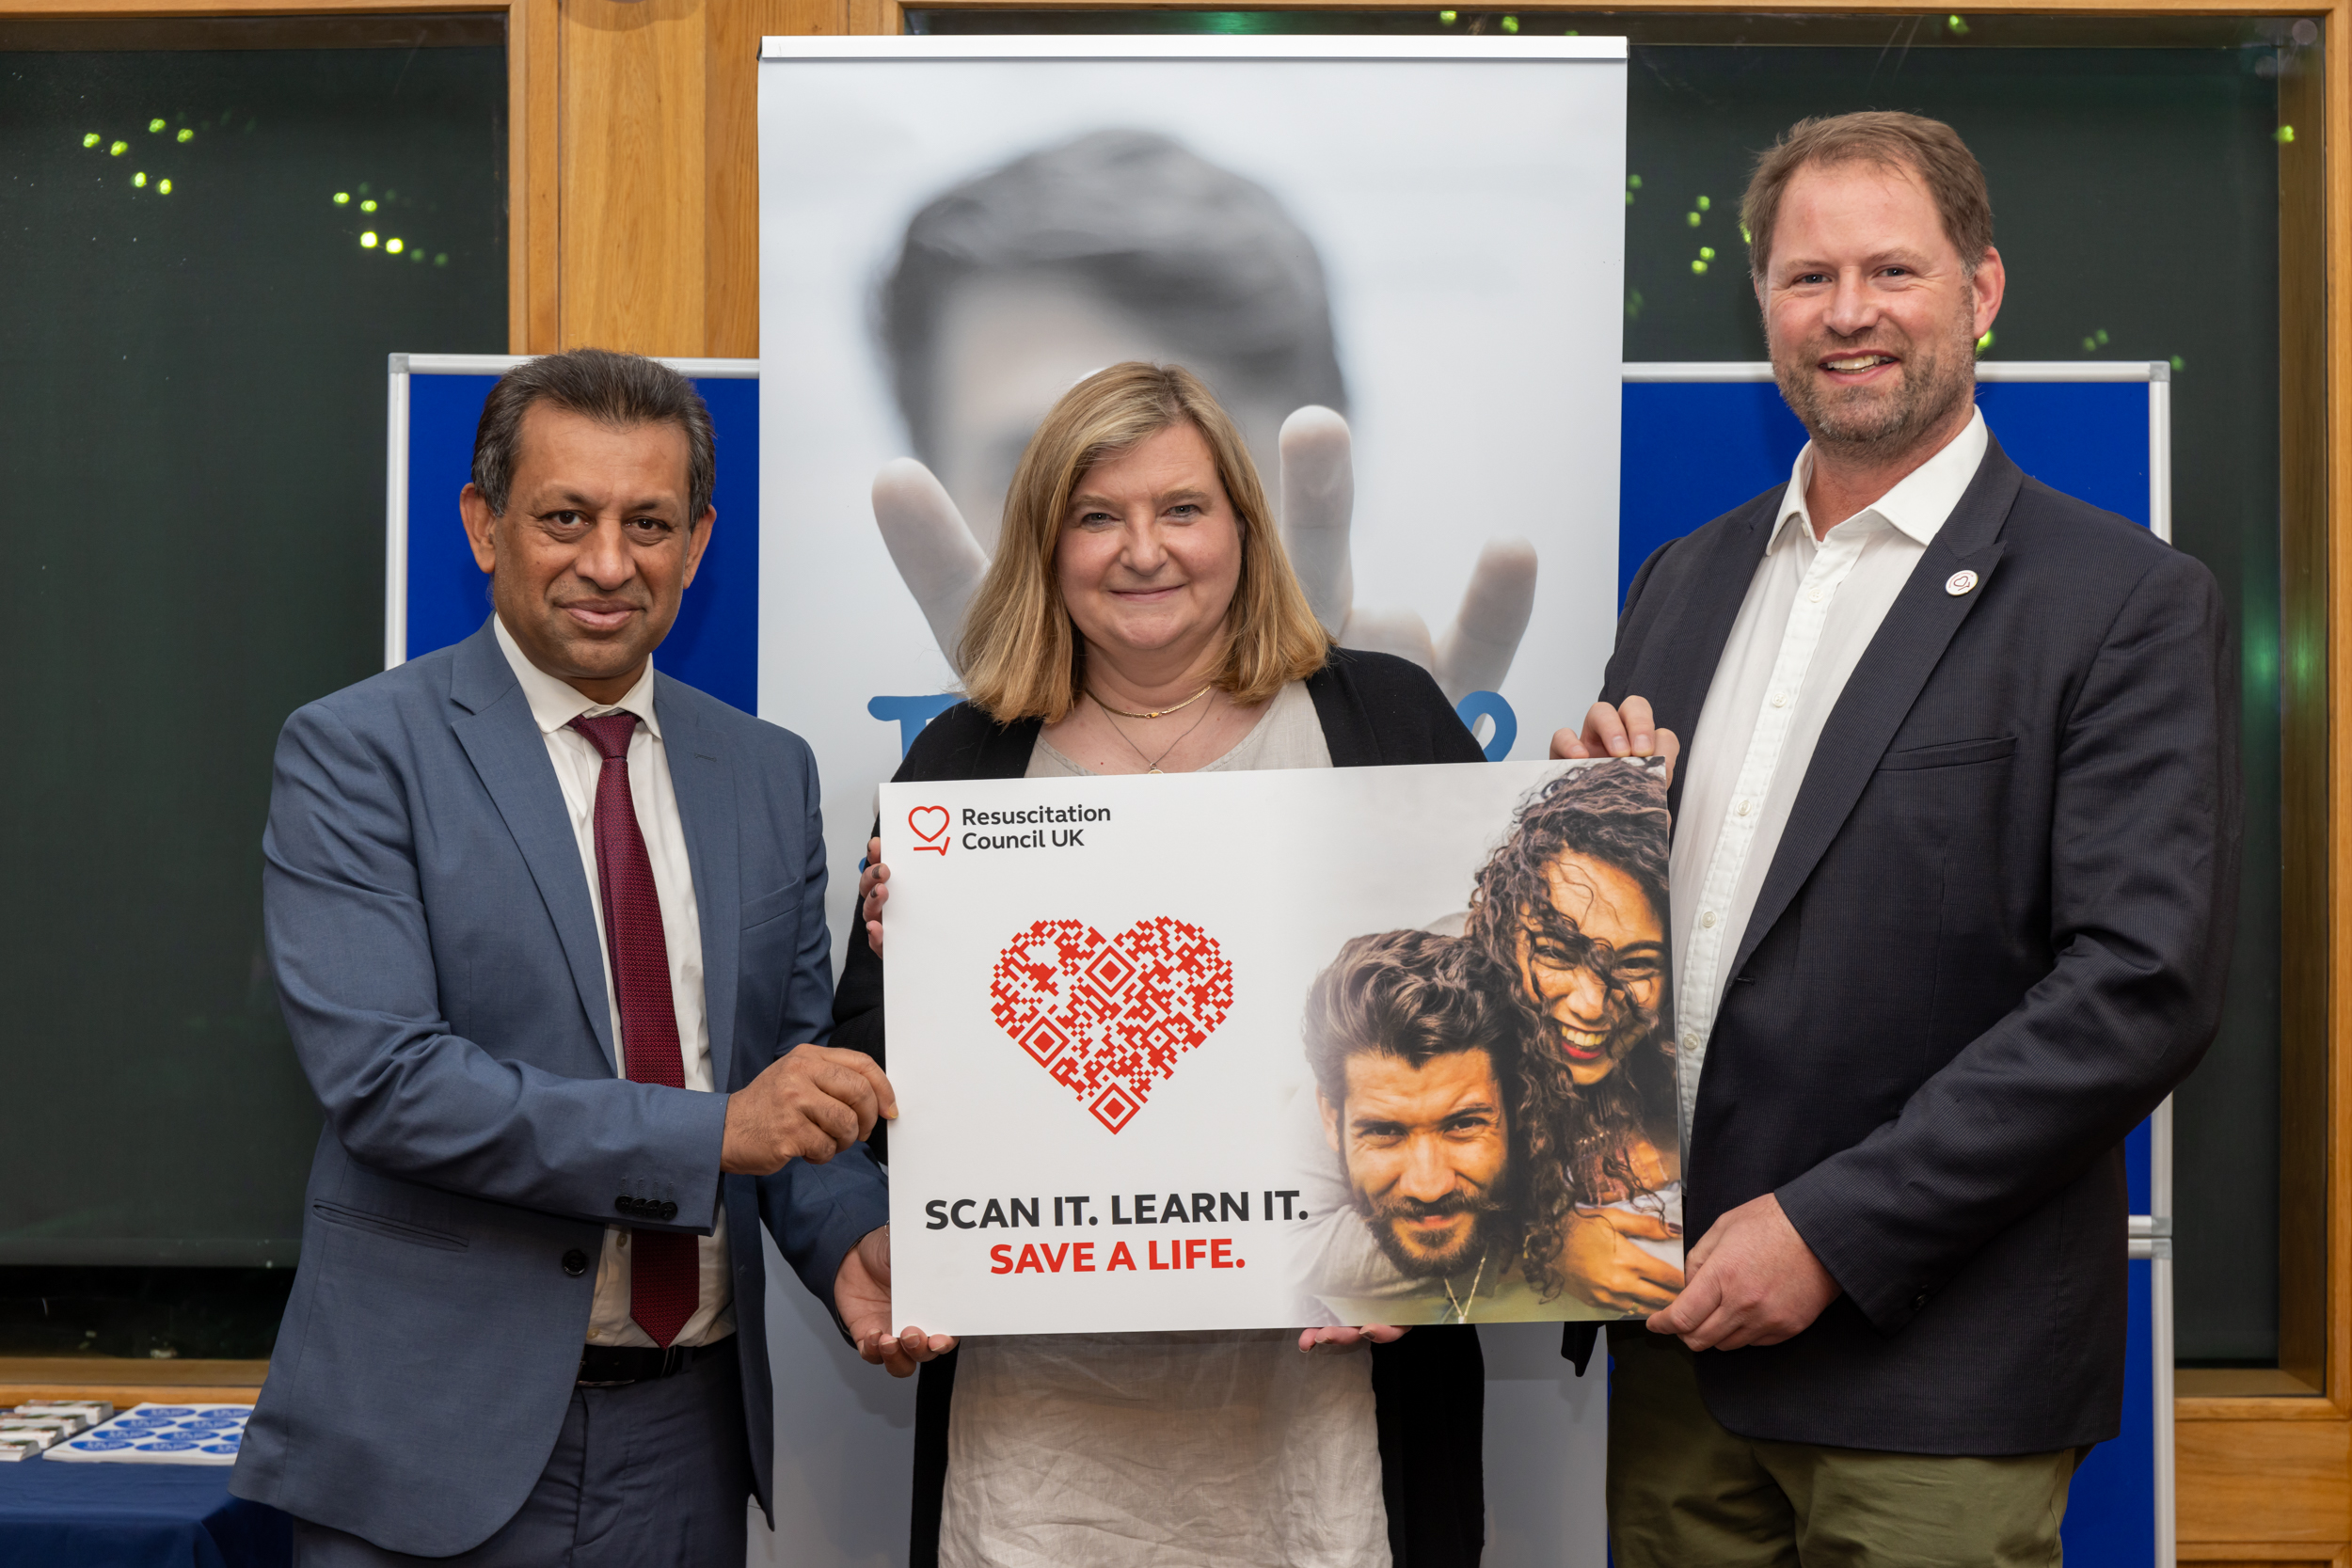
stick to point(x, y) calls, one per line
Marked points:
point(1104, 995)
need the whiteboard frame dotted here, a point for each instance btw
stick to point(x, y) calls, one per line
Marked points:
point(2150, 1235)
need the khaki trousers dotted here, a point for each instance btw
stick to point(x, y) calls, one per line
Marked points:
point(1684, 1491)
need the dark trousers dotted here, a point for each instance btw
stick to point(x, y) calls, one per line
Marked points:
point(653, 1475)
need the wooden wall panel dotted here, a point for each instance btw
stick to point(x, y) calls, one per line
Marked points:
point(633, 138)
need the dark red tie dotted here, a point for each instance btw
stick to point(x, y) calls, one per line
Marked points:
point(665, 1272)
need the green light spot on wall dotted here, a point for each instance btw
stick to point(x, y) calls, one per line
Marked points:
point(1629, 199)
point(393, 245)
point(118, 150)
point(2102, 336)
point(1634, 182)
point(92, 139)
point(367, 206)
point(367, 242)
point(139, 179)
point(186, 134)
point(1984, 343)
point(1746, 238)
point(1699, 267)
point(2091, 345)
point(2284, 133)
point(440, 259)
point(1510, 23)
point(165, 187)
point(1706, 253)
point(1705, 205)
point(1445, 18)
point(416, 256)
point(155, 126)
point(343, 198)
point(1958, 25)
point(1691, 218)
point(2179, 364)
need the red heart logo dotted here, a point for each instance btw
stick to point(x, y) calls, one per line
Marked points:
point(1107, 1017)
point(934, 836)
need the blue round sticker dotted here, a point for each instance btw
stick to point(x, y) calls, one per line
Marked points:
point(220, 1447)
point(99, 1443)
point(155, 1410)
point(166, 1444)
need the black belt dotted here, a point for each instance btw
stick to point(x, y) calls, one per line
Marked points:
point(611, 1366)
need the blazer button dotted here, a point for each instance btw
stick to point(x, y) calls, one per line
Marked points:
point(624, 1205)
point(669, 1210)
point(575, 1262)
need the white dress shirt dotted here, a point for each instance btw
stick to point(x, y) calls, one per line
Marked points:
point(1810, 611)
point(578, 766)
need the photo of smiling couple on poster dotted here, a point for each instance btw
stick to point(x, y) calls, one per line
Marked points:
point(1431, 1082)
point(1496, 1095)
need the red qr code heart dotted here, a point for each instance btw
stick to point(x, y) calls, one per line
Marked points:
point(1107, 1017)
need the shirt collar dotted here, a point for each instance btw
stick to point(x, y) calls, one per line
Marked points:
point(1918, 505)
point(554, 704)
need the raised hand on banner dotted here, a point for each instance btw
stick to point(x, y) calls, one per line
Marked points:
point(942, 563)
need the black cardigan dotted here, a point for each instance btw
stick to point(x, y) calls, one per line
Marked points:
point(1429, 1388)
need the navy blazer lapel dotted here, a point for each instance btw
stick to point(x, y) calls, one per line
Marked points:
point(1919, 626)
point(703, 779)
point(1691, 646)
point(510, 756)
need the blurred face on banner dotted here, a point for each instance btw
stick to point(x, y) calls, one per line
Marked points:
point(1872, 317)
point(1428, 1149)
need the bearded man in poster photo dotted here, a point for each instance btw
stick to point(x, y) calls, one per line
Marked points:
point(1955, 860)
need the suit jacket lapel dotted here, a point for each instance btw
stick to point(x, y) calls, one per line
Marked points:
point(1676, 682)
point(510, 756)
point(703, 779)
point(1910, 641)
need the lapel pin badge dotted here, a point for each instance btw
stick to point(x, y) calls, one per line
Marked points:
point(1959, 583)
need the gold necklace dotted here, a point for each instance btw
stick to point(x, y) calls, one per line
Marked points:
point(1151, 765)
point(1461, 1313)
point(1155, 713)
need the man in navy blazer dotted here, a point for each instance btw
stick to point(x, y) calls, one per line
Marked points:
point(1954, 870)
point(548, 931)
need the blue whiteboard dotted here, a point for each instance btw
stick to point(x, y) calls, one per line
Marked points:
point(1693, 448)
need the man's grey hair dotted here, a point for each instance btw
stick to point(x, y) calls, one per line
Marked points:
point(1195, 250)
point(615, 389)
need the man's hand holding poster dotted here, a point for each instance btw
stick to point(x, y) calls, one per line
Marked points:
point(1281, 1049)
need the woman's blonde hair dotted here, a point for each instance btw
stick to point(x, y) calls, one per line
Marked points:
point(1019, 653)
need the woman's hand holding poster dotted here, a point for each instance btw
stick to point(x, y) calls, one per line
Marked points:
point(1281, 1049)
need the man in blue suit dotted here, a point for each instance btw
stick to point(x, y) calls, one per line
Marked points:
point(548, 930)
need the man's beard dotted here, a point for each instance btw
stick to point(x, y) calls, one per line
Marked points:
point(1379, 1217)
point(1937, 376)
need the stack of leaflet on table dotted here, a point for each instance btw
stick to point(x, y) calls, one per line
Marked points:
point(162, 1435)
point(39, 1424)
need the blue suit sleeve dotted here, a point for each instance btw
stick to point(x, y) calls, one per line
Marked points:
point(818, 1212)
point(345, 922)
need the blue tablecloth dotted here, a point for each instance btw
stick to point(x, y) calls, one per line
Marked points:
point(55, 1515)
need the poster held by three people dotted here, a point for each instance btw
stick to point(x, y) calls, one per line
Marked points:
point(1192, 1061)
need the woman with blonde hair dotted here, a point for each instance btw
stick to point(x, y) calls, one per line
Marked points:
point(1140, 616)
